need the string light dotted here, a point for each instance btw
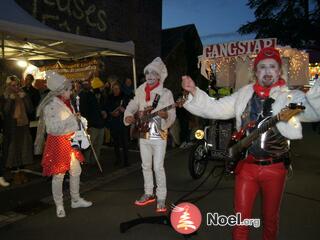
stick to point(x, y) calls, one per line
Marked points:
point(314, 68)
point(298, 65)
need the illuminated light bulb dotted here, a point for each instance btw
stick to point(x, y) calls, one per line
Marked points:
point(199, 134)
point(22, 63)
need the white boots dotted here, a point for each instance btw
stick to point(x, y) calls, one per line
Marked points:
point(74, 181)
point(3, 182)
point(57, 192)
point(61, 213)
point(80, 203)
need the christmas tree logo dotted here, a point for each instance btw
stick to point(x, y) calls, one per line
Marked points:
point(185, 218)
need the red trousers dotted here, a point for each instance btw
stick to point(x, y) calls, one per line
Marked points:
point(249, 180)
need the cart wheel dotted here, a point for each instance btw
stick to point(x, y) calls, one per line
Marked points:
point(198, 160)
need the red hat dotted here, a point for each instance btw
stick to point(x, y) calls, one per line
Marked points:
point(265, 53)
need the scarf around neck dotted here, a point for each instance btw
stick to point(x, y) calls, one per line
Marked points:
point(264, 92)
point(66, 102)
point(148, 90)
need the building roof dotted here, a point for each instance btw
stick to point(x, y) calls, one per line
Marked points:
point(172, 37)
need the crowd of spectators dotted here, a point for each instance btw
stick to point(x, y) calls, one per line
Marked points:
point(102, 103)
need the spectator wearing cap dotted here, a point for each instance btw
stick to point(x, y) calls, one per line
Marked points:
point(17, 137)
point(95, 115)
point(265, 164)
point(57, 118)
point(98, 90)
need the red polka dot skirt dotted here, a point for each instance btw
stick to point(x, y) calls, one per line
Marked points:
point(57, 155)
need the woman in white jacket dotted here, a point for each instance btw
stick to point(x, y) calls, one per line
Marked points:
point(58, 118)
point(265, 165)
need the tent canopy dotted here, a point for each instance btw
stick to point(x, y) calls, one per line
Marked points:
point(35, 43)
point(26, 38)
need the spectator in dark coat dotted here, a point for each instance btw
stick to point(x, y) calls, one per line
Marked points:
point(92, 111)
point(116, 105)
point(33, 94)
point(127, 88)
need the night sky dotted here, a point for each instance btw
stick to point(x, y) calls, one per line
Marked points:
point(216, 20)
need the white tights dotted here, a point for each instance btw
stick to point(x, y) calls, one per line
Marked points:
point(57, 181)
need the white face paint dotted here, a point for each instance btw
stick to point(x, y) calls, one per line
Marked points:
point(152, 77)
point(66, 93)
point(268, 72)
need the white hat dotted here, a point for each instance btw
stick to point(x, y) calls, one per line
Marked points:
point(55, 81)
point(159, 67)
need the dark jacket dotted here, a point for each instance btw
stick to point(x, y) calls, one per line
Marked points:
point(35, 97)
point(91, 109)
point(115, 123)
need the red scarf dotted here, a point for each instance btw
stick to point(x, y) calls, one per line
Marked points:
point(264, 92)
point(67, 103)
point(148, 89)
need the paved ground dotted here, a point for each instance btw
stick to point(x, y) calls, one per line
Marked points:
point(113, 203)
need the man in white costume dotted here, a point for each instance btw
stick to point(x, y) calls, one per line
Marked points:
point(265, 164)
point(153, 143)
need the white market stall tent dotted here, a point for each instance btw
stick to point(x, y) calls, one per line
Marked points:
point(232, 62)
point(23, 37)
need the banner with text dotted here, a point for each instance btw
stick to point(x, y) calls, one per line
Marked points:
point(232, 49)
point(74, 71)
